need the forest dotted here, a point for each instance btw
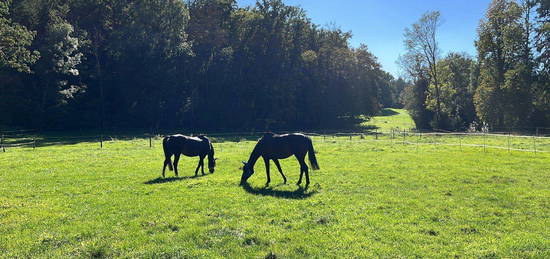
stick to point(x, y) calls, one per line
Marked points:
point(213, 65)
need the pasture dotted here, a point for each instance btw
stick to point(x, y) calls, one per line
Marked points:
point(370, 198)
point(391, 119)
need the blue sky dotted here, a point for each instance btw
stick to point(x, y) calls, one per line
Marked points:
point(380, 23)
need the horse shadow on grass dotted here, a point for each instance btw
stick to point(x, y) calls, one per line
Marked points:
point(298, 194)
point(160, 179)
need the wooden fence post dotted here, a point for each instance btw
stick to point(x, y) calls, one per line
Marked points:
point(33, 143)
point(2, 143)
point(376, 133)
point(101, 141)
point(150, 142)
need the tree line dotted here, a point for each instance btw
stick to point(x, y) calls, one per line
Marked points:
point(212, 65)
point(506, 86)
point(165, 64)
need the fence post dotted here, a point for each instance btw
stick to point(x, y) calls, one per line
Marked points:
point(535, 140)
point(418, 142)
point(484, 142)
point(404, 136)
point(508, 141)
point(150, 143)
point(101, 141)
point(33, 143)
point(460, 141)
point(376, 133)
point(350, 137)
point(2, 143)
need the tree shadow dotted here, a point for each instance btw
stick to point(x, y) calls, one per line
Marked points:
point(300, 193)
point(388, 112)
point(160, 179)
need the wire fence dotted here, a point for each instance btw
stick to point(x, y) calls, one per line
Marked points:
point(538, 142)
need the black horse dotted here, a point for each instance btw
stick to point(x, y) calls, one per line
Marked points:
point(275, 147)
point(189, 146)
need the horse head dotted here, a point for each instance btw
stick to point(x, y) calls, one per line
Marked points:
point(247, 172)
point(211, 164)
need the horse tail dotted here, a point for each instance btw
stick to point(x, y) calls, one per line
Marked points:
point(311, 155)
point(167, 154)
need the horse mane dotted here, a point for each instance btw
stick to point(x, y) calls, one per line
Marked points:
point(268, 135)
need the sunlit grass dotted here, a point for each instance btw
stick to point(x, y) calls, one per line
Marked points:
point(369, 199)
point(392, 119)
point(400, 195)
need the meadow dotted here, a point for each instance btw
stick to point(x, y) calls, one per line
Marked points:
point(370, 199)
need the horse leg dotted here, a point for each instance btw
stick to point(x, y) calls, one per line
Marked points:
point(266, 161)
point(276, 161)
point(176, 160)
point(302, 167)
point(164, 167)
point(202, 164)
point(198, 166)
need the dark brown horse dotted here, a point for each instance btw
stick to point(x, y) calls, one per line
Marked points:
point(275, 147)
point(189, 146)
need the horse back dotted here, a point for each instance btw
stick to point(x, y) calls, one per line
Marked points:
point(188, 146)
point(283, 146)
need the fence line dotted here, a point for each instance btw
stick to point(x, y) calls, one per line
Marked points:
point(392, 136)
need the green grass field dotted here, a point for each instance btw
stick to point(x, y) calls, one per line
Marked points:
point(391, 119)
point(370, 199)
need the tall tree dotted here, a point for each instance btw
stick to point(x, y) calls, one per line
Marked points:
point(415, 95)
point(503, 98)
point(421, 41)
point(456, 93)
point(15, 41)
point(541, 89)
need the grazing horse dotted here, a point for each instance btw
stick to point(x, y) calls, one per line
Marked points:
point(275, 147)
point(189, 146)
